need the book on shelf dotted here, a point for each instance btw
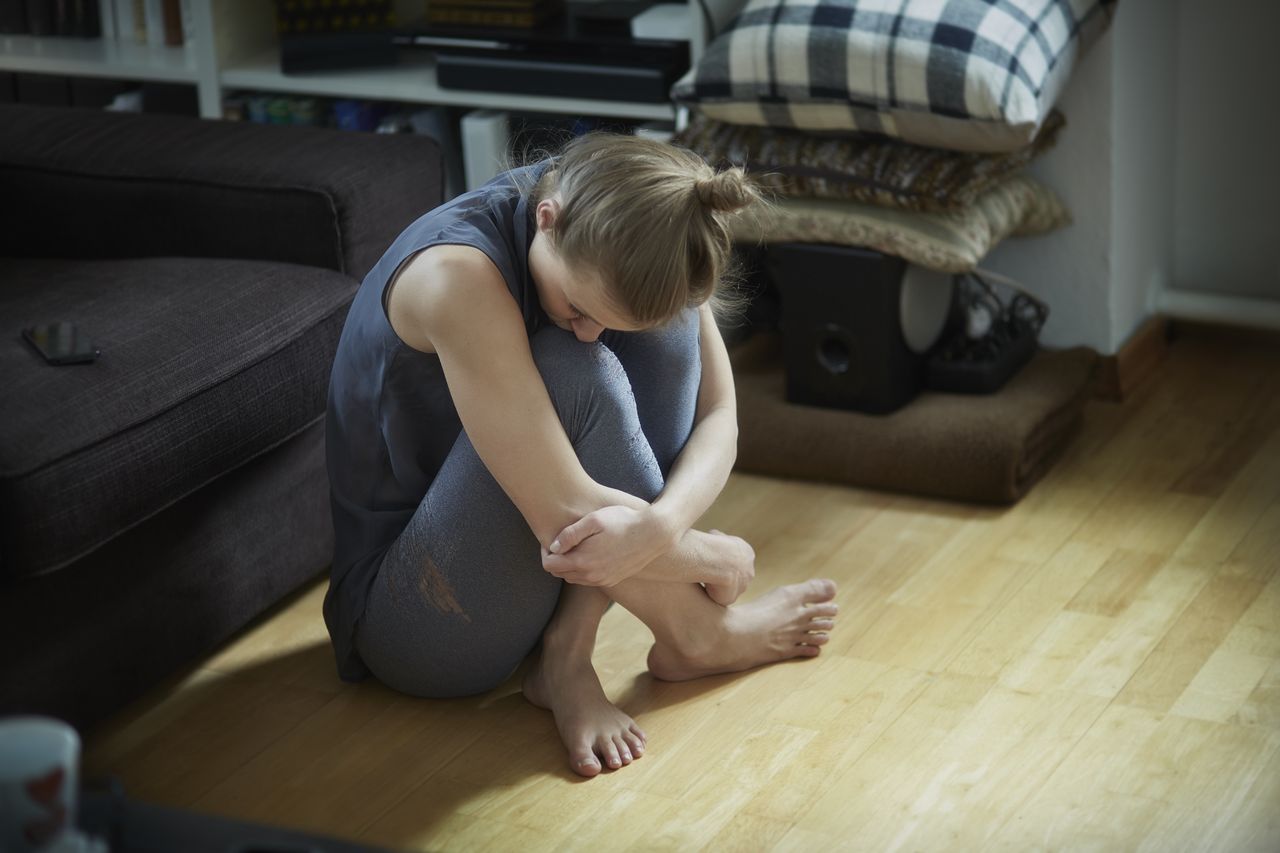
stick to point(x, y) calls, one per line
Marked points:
point(503, 5)
point(487, 17)
point(40, 18)
point(307, 17)
point(154, 22)
point(122, 10)
point(171, 15)
point(494, 13)
point(13, 17)
point(83, 20)
point(107, 19)
point(139, 9)
point(70, 18)
point(153, 15)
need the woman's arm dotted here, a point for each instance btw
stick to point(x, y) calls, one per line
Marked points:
point(725, 563)
point(701, 470)
point(452, 300)
point(698, 474)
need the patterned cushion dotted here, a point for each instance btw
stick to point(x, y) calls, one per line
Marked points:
point(948, 242)
point(865, 168)
point(973, 75)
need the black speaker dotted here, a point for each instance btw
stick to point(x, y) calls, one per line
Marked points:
point(845, 329)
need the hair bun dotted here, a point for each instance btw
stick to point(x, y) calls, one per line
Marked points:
point(725, 191)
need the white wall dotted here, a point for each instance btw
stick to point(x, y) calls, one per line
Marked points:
point(1227, 148)
point(1170, 164)
point(1071, 269)
point(1144, 94)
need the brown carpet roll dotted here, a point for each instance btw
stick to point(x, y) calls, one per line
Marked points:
point(989, 448)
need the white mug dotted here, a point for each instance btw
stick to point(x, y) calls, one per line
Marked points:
point(39, 770)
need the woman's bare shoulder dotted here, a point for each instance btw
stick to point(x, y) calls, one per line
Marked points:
point(447, 265)
point(452, 258)
point(435, 289)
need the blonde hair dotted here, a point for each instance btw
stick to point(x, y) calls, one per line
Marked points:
point(648, 217)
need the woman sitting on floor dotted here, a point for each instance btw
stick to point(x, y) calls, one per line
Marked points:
point(530, 407)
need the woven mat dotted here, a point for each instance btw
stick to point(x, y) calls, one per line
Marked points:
point(989, 448)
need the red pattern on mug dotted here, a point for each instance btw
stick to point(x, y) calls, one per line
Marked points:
point(45, 789)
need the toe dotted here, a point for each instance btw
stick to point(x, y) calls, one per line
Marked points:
point(821, 589)
point(584, 762)
point(816, 639)
point(624, 750)
point(808, 651)
point(639, 733)
point(635, 744)
point(825, 610)
point(821, 624)
point(609, 752)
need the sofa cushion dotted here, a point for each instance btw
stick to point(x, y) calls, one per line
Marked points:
point(78, 183)
point(205, 364)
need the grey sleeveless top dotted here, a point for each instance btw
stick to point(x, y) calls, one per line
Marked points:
point(391, 420)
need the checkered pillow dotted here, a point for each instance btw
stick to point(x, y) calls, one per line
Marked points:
point(972, 75)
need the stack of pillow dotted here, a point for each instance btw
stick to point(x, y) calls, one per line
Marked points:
point(898, 125)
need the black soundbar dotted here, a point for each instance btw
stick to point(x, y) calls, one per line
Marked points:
point(551, 44)
point(568, 79)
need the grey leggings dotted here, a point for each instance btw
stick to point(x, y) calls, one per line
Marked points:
point(461, 597)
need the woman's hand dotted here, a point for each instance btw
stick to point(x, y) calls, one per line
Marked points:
point(739, 569)
point(608, 546)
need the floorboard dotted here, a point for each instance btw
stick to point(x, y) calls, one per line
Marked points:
point(1097, 666)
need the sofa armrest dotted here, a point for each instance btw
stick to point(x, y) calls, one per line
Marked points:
point(79, 183)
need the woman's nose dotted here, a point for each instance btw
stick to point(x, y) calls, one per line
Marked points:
point(586, 330)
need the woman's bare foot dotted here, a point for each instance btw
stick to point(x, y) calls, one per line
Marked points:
point(791, 621)
point(595, 732)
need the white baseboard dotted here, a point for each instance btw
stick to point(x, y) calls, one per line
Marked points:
point(1220, 308)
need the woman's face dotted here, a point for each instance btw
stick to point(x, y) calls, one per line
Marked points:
point(574, 299)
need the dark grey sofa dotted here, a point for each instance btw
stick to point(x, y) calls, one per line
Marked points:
point(156, 501)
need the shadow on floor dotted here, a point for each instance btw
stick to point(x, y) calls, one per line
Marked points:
point(282, 741)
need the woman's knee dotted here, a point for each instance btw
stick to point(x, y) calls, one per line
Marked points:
point(592, 395)
point(587, 384)
point(664, 366)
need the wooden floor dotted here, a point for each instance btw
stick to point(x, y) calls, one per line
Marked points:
point(1097, 667)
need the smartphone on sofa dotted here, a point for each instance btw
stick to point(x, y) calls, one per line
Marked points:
point(61, 343)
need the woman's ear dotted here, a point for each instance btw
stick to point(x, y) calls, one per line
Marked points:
point(546, 212)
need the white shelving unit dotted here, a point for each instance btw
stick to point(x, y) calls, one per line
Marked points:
point(97, 58)
point(234, 47)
